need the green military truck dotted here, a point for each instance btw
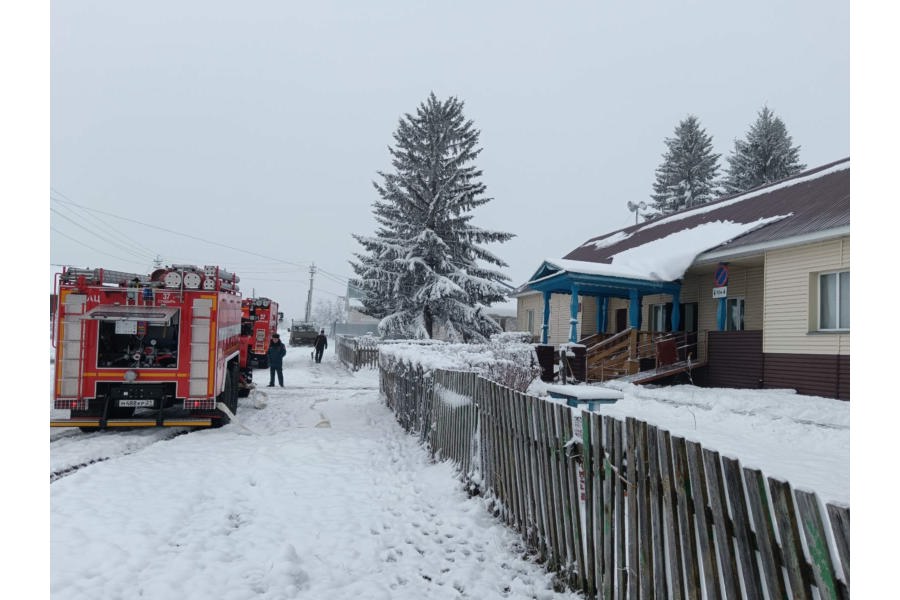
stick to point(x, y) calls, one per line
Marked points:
point(302, 333)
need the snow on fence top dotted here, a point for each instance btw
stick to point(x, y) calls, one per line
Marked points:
point(505, 359)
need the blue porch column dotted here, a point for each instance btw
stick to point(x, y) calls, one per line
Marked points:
point(676, 310)
point(720, 314)
point(602, 308)
point(545, 326)
point(634, 309)
point(573, 316)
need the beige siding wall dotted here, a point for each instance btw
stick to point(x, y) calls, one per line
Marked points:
point(587, 320)
point(533, 302)
point(559, 316)
point(791, 309)
point(743, 282)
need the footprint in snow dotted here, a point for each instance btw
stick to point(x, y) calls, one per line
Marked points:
point(286, 569)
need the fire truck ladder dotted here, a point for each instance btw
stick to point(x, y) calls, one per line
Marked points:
point(200, 351)
point(71, 351)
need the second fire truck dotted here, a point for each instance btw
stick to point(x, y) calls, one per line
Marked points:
point(259, 321)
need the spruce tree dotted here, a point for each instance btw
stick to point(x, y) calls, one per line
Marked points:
point(687, 175)
point(764, 156)
point(425, 266)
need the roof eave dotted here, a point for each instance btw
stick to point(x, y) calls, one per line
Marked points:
point(754, 249)
point(563, 282)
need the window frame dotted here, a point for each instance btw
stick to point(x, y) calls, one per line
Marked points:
point(742, 302)
point(660, 309)
point(838, 301)
point(694, 311)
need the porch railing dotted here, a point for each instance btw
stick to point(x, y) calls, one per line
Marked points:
point(609, 356)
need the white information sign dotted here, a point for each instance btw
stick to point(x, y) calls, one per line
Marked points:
point(126, 327)
point(720, 292)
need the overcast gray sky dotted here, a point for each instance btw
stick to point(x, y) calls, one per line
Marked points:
point(261, 125)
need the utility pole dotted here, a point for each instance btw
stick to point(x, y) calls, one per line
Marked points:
point(312, 274)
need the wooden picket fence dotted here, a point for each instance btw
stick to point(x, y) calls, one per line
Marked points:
point(356, 353)
point(624, 510)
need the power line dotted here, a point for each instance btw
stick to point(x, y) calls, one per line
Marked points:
point(107, 228)
point(91, 247)
point(187, 235)
point(94, 233)
point(64, 200)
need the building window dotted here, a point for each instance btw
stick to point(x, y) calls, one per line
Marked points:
point(531, 320)
point(689, 316)
point(661, 317)
point(834, 301)
point(734, 314)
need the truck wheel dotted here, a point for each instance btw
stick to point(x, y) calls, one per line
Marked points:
point(228, 397)
point(232, 385)
point(245, 381)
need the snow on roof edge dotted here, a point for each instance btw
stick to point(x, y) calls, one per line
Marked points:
point(666, 258)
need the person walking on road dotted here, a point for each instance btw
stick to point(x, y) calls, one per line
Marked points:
point(321, 343)
point(275, 353)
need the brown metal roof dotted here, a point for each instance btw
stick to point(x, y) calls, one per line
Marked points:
point(814, 203)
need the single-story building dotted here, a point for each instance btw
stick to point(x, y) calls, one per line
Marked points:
point(755, 286)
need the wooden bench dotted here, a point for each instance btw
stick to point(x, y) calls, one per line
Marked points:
point(577, 395)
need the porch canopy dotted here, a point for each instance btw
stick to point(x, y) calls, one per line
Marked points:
point(582, 278)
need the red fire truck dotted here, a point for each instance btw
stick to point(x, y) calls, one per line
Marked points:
point(147, 350)
point(259, 320)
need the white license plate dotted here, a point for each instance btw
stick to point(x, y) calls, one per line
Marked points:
point(136, 403)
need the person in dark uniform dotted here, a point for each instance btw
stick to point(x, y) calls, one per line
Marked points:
point(275, 353)
point(321, 343)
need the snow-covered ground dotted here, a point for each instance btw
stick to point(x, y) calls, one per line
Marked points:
point(320, 494)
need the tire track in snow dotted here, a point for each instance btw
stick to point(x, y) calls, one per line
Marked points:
point(79, 446)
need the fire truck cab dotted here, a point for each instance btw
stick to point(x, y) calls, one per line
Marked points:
point(147, 350)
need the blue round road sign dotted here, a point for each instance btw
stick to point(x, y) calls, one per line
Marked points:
point(722, 275)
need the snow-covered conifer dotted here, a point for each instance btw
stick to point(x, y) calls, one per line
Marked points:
point(687, 175)
point(764, 156)
point(425, 266)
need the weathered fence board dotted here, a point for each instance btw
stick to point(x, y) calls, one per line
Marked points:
point(723, 526)
point(593, 502)
point(632, 533)
point(645, 530)
point(816, 541)
point(765, 532)
point(619, 567)
point(670, 519)
point(686, 521)
point(573, 494)
point(704, 521)
point(840, 526)
point(743, 533)
point(791, 546)
point(657, 548)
